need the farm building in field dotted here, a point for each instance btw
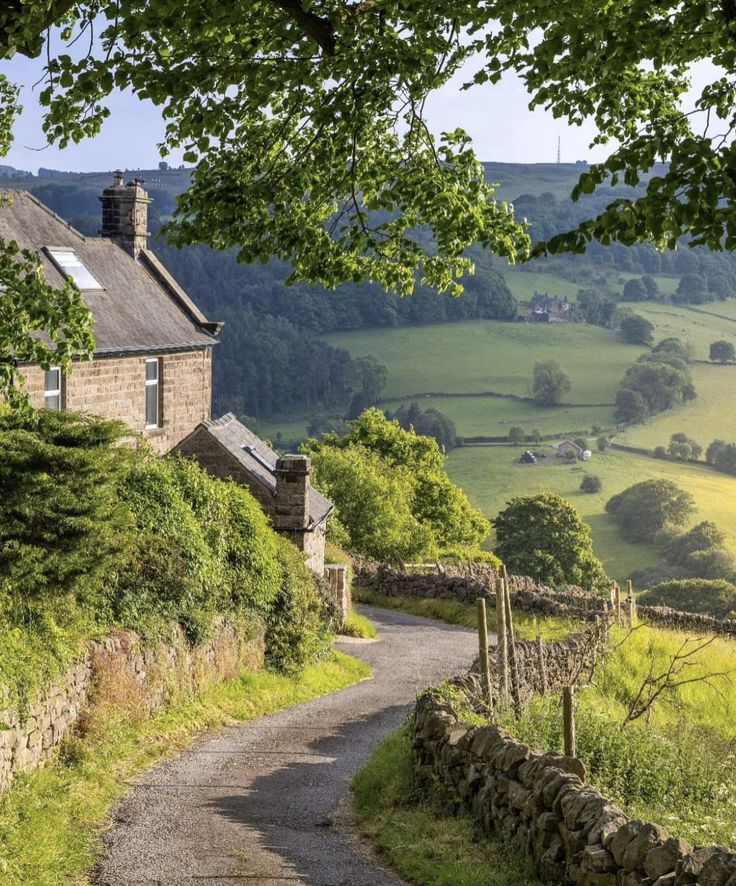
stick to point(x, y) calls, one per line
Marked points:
point(568, 448)
point(549, 310)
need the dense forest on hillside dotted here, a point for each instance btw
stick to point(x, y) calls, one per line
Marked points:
point(271, 360)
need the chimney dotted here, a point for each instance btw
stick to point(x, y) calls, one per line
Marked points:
point(291, 507)
point(125, 214)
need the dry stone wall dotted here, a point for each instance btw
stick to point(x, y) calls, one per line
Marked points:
point(545, 667)
point(538, 805)
point(121, 670)
point(466, 582)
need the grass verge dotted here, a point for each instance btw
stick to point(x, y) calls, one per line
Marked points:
point(421, 843)
point(674, 765)
point(453, 612)
point(52, 819)
point(358, 625)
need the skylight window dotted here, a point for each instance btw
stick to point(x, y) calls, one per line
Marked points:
point(70, 264)
point(254, 453)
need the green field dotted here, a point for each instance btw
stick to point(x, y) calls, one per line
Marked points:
point(524, 284)
point(483, 355)
point(494, 416)
point(696, 325)
point(491, 476)
point(711, 415)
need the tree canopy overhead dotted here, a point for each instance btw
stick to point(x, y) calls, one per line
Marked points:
point(306, 120)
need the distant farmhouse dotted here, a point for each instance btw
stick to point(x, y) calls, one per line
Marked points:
point(569, 448)
point(152, 367)
point(544, 309)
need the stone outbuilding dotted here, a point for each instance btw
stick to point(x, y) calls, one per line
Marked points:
point(568, 448)
point(226, 448)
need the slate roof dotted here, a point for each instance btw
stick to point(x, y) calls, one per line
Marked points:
point(140, 308)
point(259, 459)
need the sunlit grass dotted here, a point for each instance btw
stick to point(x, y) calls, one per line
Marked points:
point(423, 844)
point(527, 626)
point(52, 818)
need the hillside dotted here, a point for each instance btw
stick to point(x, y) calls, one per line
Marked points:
point(293, 354)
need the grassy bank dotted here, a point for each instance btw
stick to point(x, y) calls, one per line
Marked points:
point(51, 820)
point(674, 766)
point(453, 612)
point(421, 843)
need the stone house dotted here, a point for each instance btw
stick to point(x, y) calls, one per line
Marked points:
point(228, 449)
point(152, 365)
point(568, 447)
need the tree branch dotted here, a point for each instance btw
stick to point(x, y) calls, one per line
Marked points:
point(319, 29)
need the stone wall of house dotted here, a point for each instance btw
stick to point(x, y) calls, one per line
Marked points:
point(218, 462)
point(538, 805)
point(115, 387)
point(121, 671)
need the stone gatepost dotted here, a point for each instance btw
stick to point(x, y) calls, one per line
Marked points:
point(338, 582)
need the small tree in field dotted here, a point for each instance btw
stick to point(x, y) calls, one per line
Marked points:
point(722, 352)
point(543, 536)
point(591, 483)
point(549, 383)
point(517, 435)
point(636, 330)
point(684, 448)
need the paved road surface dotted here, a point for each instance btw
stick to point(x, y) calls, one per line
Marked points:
point(267, 802)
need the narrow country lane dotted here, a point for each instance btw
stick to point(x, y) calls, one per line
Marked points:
point(264, 803)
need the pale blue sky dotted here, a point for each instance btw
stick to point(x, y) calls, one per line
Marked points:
point(496, 117)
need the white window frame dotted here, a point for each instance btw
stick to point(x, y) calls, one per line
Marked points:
point(54, 392)
point(153, 383)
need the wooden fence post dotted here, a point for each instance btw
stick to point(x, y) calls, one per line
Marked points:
point(541, 664)
point(514, 662)
point(631, 602)
point(485, 673)
point(618, 602)
point(568, 721)
point(503, 659)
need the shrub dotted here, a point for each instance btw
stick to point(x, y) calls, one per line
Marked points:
point(62, 528)
point(94, 534)
point(591, 483)
point(516, 435)
point(660, 452)
point(297, 621)
point(711, 597)
point(602, 443)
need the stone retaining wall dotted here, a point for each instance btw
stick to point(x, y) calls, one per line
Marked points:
point(538, 805)
point(120, 670)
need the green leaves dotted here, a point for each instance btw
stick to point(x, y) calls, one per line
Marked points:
point(306, 120)
point(38, 323)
